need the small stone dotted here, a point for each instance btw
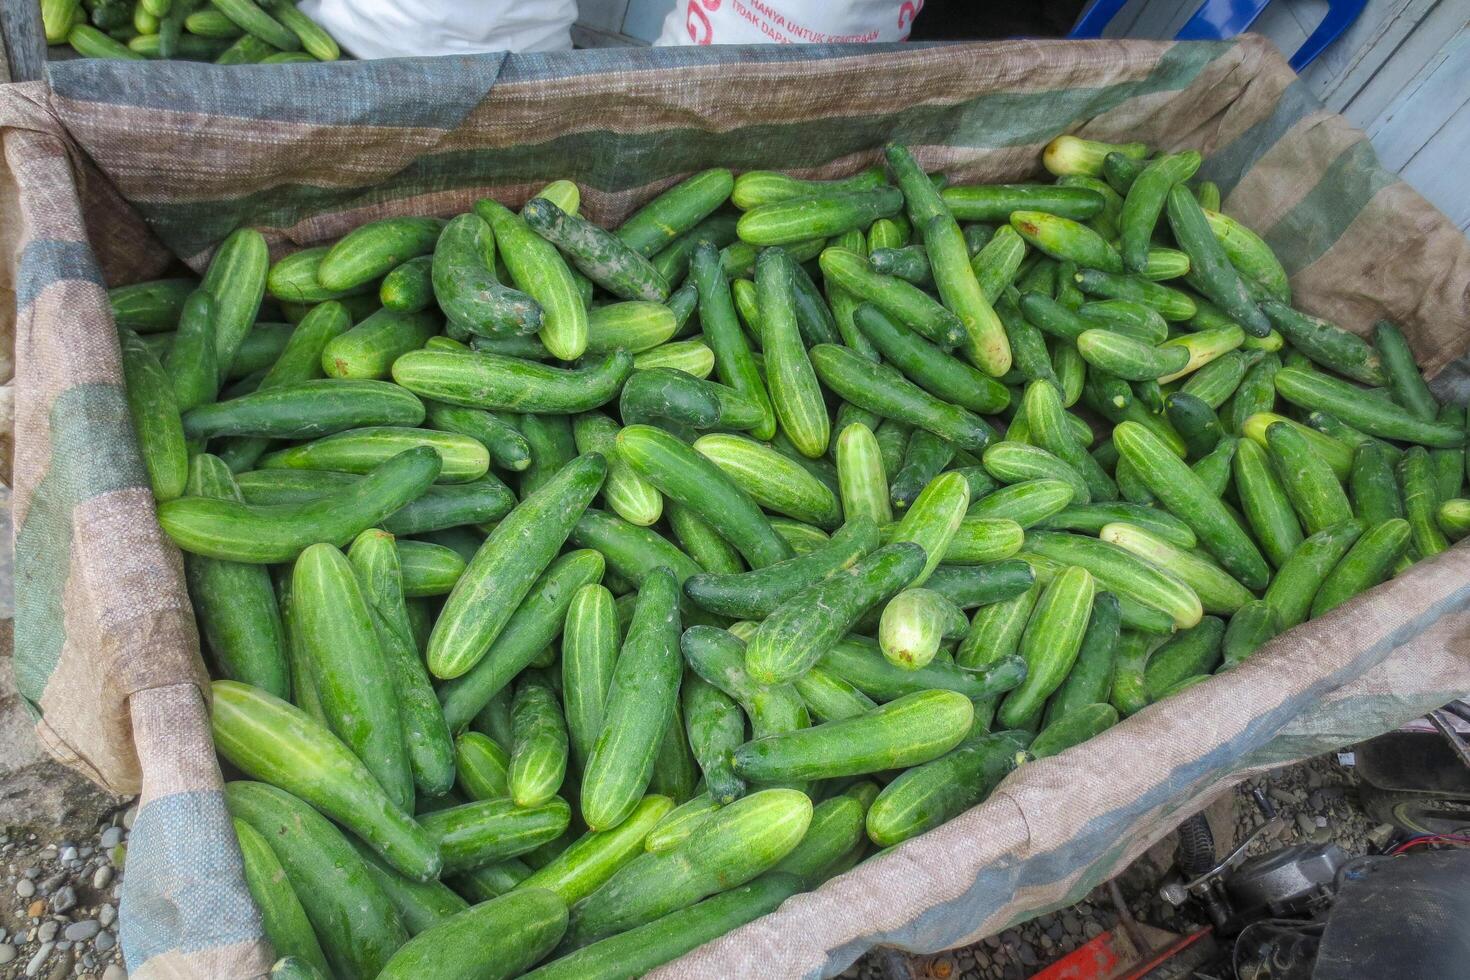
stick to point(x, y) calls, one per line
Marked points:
point(1055, 931)
point(51, 884)
point(64, 900)
point(111, 837)
point(33, 872)
point(1071, 923)
point(25, 888)
point(982, 960)
point(129, 815)
point(36, 909)
point(34, 966)
point(87, 852)
point(104, 941)
point(7, 953)
point(106, 915)
point(1314, 799)
point(80, 932)
point(102, 877)
point(1305, 824)
point(1314, 778)
point(48, 930)
point(1028, 955)
point(68, 853)
point(115, 971)
point(1380, 834)
point(1091, 929)
point(1320, 835)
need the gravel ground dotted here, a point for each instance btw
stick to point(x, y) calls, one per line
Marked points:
point(58, 902)
point(1317, 800)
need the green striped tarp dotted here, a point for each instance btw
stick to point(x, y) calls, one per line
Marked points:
point(115, 170)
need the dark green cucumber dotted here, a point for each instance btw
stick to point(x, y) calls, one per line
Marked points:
point(1367, 563)
point(883, 390)
point(363, 450)
point(354, 921)
point(409, 287)
point(902, 301)
point(1297, 581)
point(281, 914)
point(480, 502)
point(718, 657)
point(1145, 201)
point(1418, 483)
point(930, 794)
point(553, 445)
point(907, 731)
point(369, 349)
point(1402, 372)
point(466, 288)
point(1195, 421)
point(1186, 654)
point(235, 603)
point(1374, 487)
point(494, 381)
point(758, 593)
point(1210, 268)
point(1377, 417)
point(1050, 643)
point(1249, 629)
point(823, 215)
point(190, 359)
point(968, 586)
point(675, 211)
point(1072, 728)
point(601, 256)
point(1128, 694)
point(795, 394)
point(1091, 518)
point(1047, 421)
point(688, 478)
point(505, 567)
point(482, 767)
point(861, 663)
point(155, 413)
point(497, 939)
point(1172, 304)
point(531, 626)
point(420, 904)
point(715, 725)
point(996, 202)
point(292, 279)
point(942, 375)
point(924, 458)
point(152, 306)
point(1265, 503)
point(540, 747)
point(1327, 344)
point(306, 410)
point(537, 267)
point(733, 361)
point(474, 835)
point(631, 551)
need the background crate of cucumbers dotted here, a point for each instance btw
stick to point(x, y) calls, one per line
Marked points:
point(114, 170)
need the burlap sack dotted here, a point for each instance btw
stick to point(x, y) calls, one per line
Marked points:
point(114, 168)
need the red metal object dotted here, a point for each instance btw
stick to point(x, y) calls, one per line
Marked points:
point(1113, 956)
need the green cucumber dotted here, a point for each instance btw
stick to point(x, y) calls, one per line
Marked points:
point(1265, 503)
point(409, 287)
point(1066, 155)
point(599, 255)
point(732, 846)
point(718, 657)
point(1417, 481)
point(281, 914)
point(1374, 487)
point(625, 492)
point(1367, 563)
point(1172, 304)
point(370, 251)
point(306, 410)
point(756, 187)
point(1145, 201)
point(473, 835)
point(829, 697)
point(428, 569)
point(1091, 518)
point(933, 519)
point(715, 725)
point(758, 593)
point(1128, 694)
point(930, 794)
point(902, 301)
point(1136, 320)
point(540, 747)
point(365, 449)
point(907, 731)
point(236, 280)
point(498, 382)
point(914, 623)
point(482, 767)
point(497, 939)
point(1027, 503)
point(997, 202)
point(688, 478)
point(823, 215)
point(1028, 347)
point(1376, 417)
point(1311, 486)
point(1299, 579)
point(639, 707)
point(702, 542)
point(538, 268)
point(1050, 643)
point(1091, 677)
point(795, 394)
point(1247, 251)
point(634, 326)
point(996, 264)
point(672, 262)
point(1404, 379)
point(631, 551)
point(862, 483)
point(1217, 591)
point(236, 606)
point(374, 559)
point(924, 458)
point(369, 349)
point(420, 904)
point(1121, 572)
point(1073, 728)
point(1132, 360)
point(292, 279)
point(733, 360)
point(596, 856)
point(1338, 455)
point(1214, 468)
point(690, 356)
point(190, 359)
point(504, 568)
point(349, 671)
point(1449, 463)
point(941, 374)
point(531, 626)
point(589, 649)
point(355, 923)
point(773, 481)
point(1327, 344)
point(675, 211)
point(1186, 654)
point(861, 663)
point(152, 306)
point(1454, 518)
point(985, 342)
point(462, 272)
point(1046, 419)
point(1182, 492)
point(1248, 630)
point(1211, 270)
point(1065, 239)
point(1195, 421)
point(154, 410)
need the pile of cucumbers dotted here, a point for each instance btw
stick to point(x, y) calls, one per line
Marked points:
point(226, 32)
point(577, 595)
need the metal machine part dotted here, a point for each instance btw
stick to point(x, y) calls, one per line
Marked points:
point(1292, 881)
